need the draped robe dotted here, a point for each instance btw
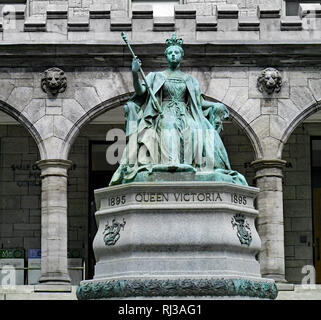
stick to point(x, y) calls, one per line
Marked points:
point(144, 122)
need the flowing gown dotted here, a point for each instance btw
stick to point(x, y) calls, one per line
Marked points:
point(179, 137)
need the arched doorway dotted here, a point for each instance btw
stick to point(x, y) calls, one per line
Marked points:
point(90, 171)
point(20, 194)
point(302, 192)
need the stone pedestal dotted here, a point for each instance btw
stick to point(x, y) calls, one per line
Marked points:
point(174, 239)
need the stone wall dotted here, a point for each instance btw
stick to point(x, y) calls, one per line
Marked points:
point(20, 189)
point(76, 20)
point(120, 8)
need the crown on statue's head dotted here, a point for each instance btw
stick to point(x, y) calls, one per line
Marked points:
point(173, 41)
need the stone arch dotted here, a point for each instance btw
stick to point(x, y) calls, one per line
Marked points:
point(295, 123)
point(244, 125)
point(14, 113)
point(90, 115)
point(121, 100)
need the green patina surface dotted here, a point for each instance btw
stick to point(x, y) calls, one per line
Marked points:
point(171, 127)
point(177, 287)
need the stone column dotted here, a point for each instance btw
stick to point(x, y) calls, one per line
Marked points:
point(270, 223)
point(54, 269)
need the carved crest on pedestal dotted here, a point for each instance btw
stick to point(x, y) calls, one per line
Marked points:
point(243, 229)
point(112, 232)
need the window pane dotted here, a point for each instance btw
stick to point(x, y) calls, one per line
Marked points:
point(316, 153)
point(292, 6)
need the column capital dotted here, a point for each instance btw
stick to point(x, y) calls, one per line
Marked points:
point(268, 168)
point(54, 167)
point(268, 163)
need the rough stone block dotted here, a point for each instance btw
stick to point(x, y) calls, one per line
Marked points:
point(6, 230)
point(291, 24)
point(72, 110)
point(287, 109)
point(6, 88)
point(296, 209)
point(315, 87)
point(218, 88)
point(228, 11)
point(35, 24)
point(268, 12)
point(310, 9)
point(20, 97)
point(120, 24)
point(303, 252)
point(303, 192)
point(140, 11)
point(87, 97)
point(249, 24)
point(185, 11)
point(277, 126)
point(61, 126)
point(206, 23)
point(12, 242)
point(20, 10)
point(289, 251)
point(99, 11)
point(78, 23)
point(57, 11)
point(32, 202)
point(15, 145)
point(164, 24)
point(302, 97)
point(45, 126)
point(53, 102)
point(31, 242)
point(17, 131)
point(204, 9)
point(289, 193)
point(236, 97)
point(53, 111)
point(239, 82)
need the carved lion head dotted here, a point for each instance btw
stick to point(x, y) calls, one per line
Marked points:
point(54, 81)
point(270, 80)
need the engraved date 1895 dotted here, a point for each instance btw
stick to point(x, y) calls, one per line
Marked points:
point(116, 201)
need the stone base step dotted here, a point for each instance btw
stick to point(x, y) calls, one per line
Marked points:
point(55, 292)
point(289, 291)
point(38, 292)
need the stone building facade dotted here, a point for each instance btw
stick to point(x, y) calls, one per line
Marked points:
point(53, 143)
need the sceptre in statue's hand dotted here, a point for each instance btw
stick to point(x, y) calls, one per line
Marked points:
point(137, 66)
point(179, 131)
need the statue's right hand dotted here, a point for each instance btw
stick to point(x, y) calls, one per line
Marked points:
point(136, 64)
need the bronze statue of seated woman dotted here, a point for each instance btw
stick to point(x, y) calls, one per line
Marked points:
point(179, 134)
